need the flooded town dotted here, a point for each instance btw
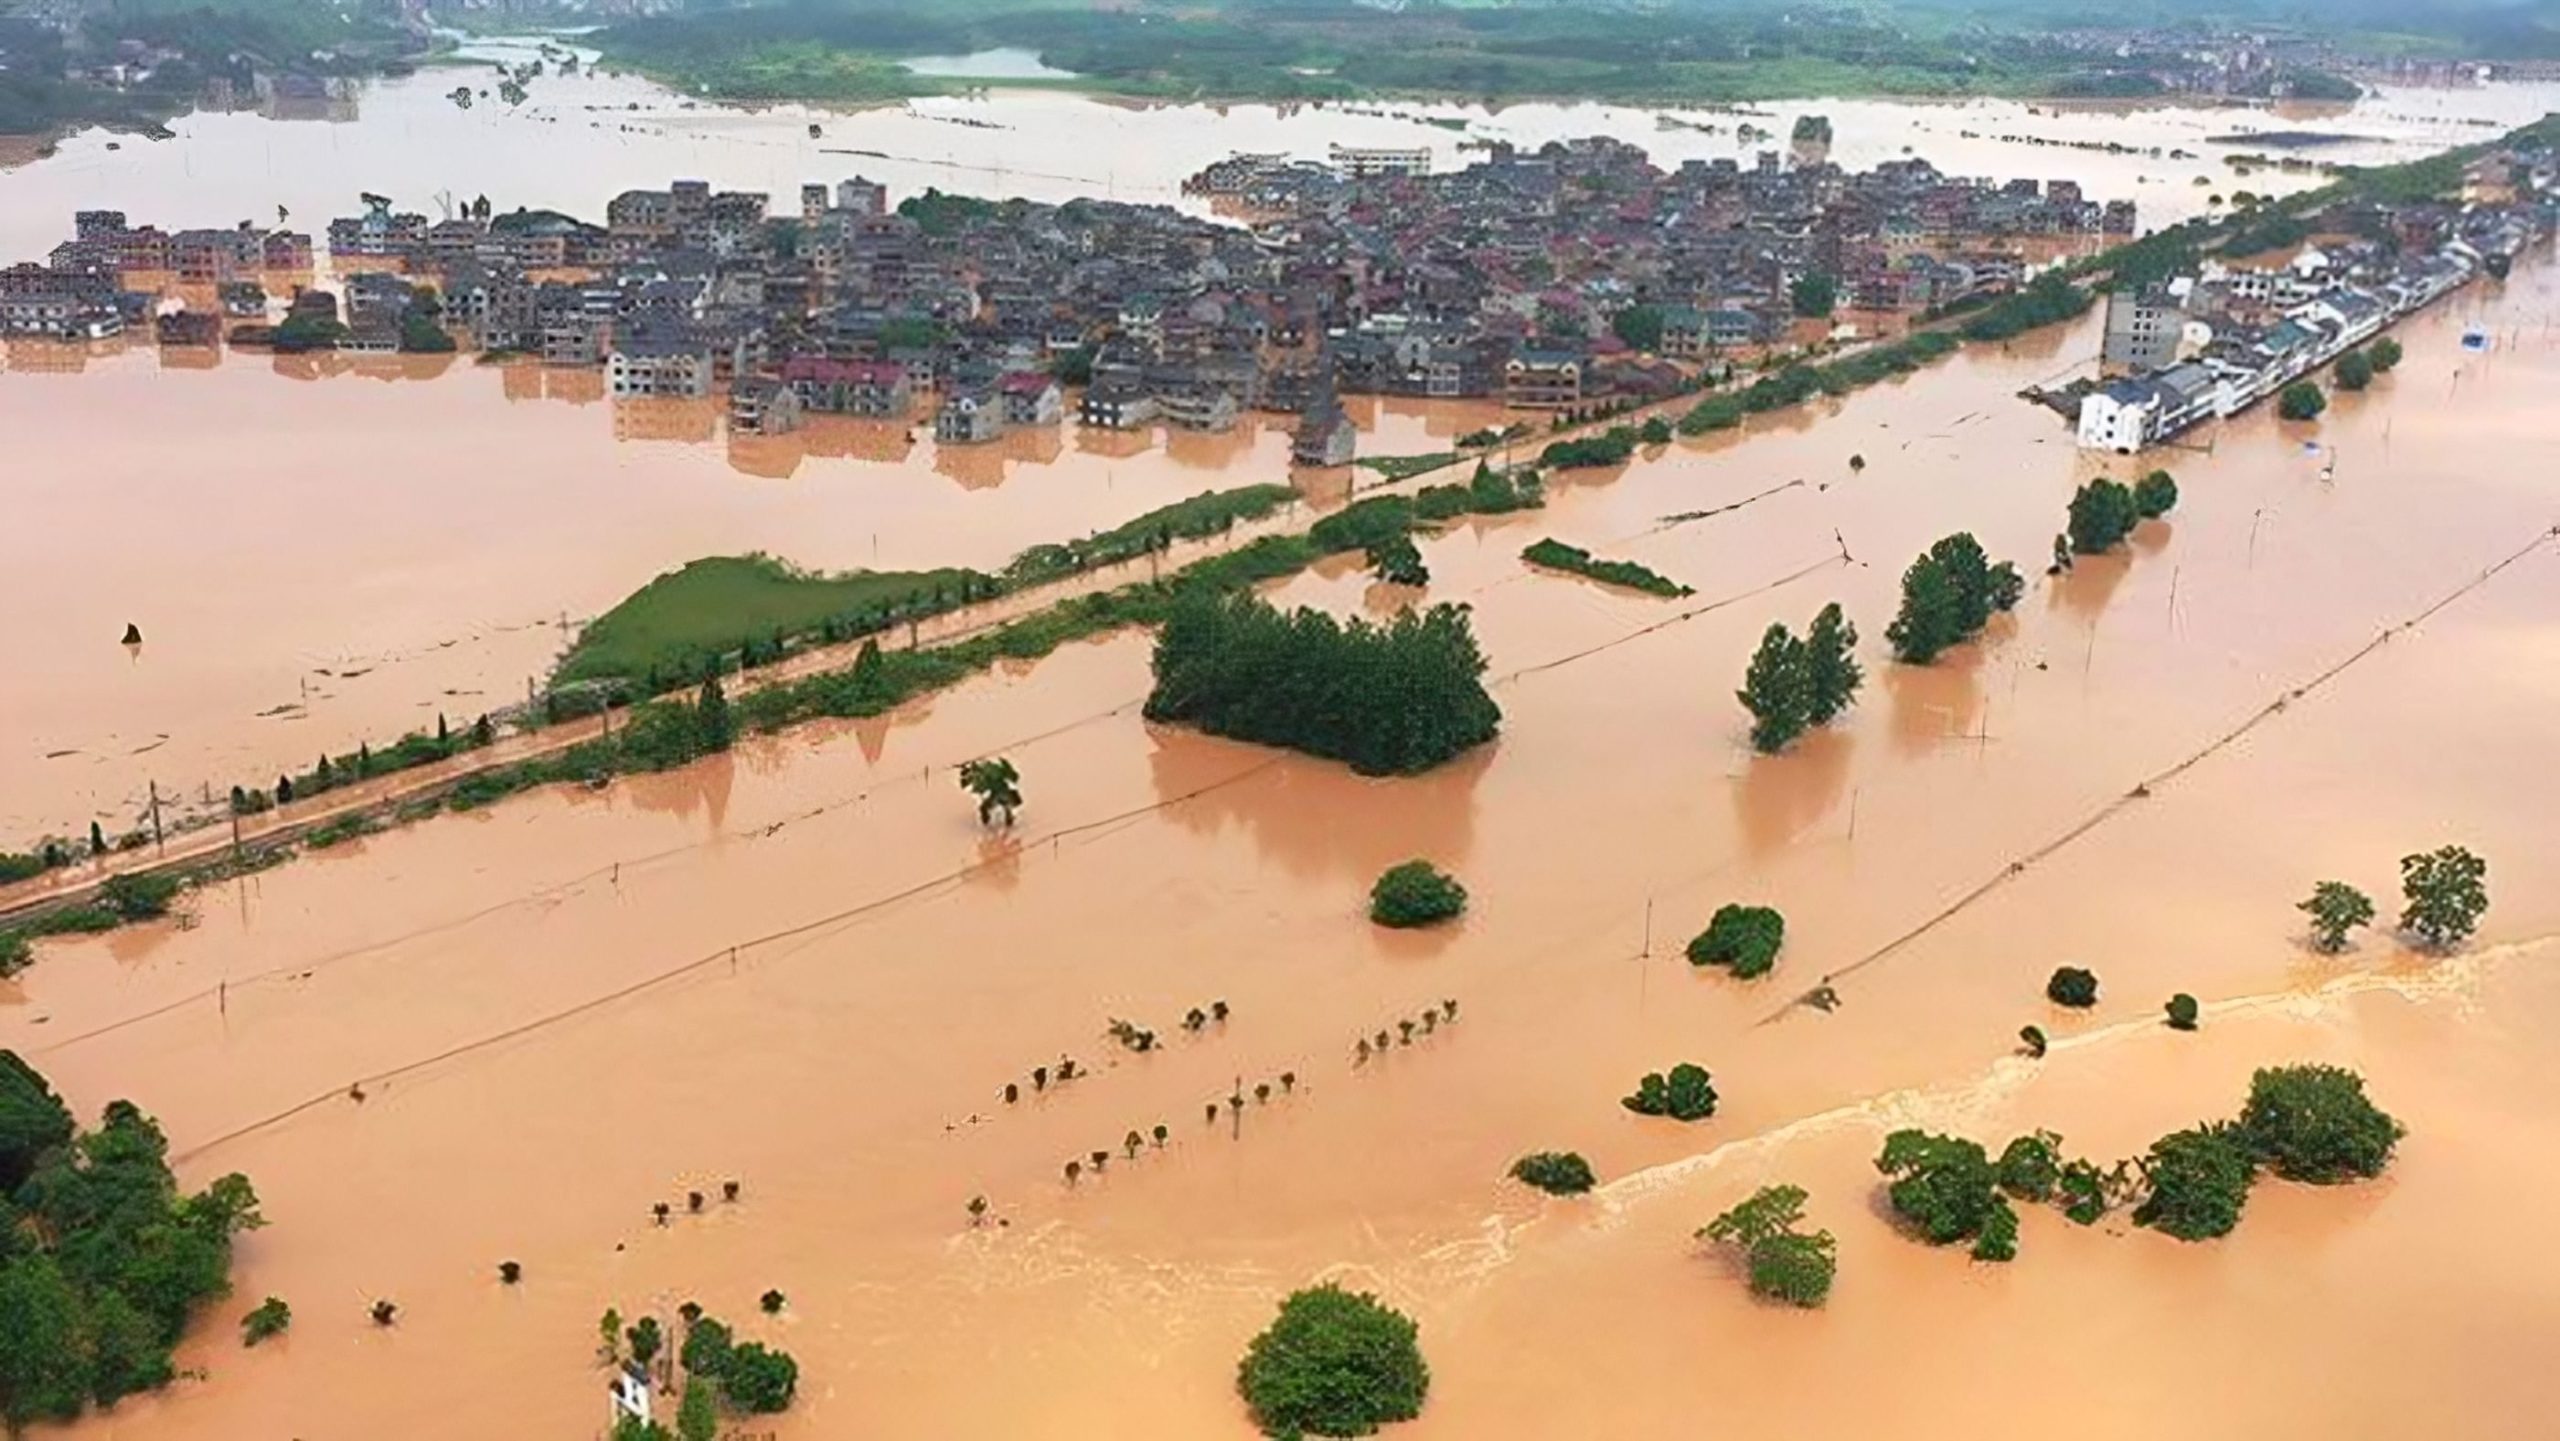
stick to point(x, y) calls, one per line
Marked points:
point(1037, 762)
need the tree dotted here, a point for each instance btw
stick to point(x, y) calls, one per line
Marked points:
point(2447, 891)
point(1777, 689)
point(1746, 938)
point(1948, 595)
point(1397, 561)
point(713, 725)
point(2199, 1179)
point(698, 1416)
point(1333, 1363)
point(2072, 986)
point(772, 1302)
point(1814, 295)
point(2155, 495)
point(33, 1123)
point(1832, 676)
point(1942, 1185)
point(707, 1344)
point(1415, 893)
point(2384, 353)
point(2301, 400)
point(2314, 1123)
point(1640, 326)
point(760, 1380)
point(1687, 1094)
point(1558, 1173)
point(993, 780)
point(268, 1318)
point(1784, 1264)
point(2102, 513)
point(2336, 908)
point(645, 1338)
point(138, 895)
point(2031, 1166)
point(97, 840)
point(1998, 1238)
point(2354, 370)
point(2182, 1012)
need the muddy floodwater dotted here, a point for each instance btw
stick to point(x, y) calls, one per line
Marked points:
point(804, 967)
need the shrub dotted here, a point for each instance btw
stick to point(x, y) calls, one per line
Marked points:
point(1334, 1363)
point(2301, 400)
point(2314, 1123)
point(1743, 937)
point(2199, 1180)
point(1558, 1173)
point(1415, 893)
point(139, 895)
point(2182, 1012)
point(2031, 1167)
point(2072, 986)
point(268, 1318)
point(1942, 1185)
point(1998, 1238)
point(2447, 892)
point(1687, 1094)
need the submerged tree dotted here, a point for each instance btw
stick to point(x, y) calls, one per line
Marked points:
point(1777, 689)
point(2182, 1012)
point(2155, 495)
point(1832, 676)
point(994, 781)
point(1784, 1264)
point(2198, 1180)
point(1416, 893)
point(1558, 1173)
point(2314, 1123)
point(2103, 512)
point(1687, 1094)
point(2072, 986)
point(1333, 1363)
point(1943, 1185)
point(2336, 908)
point(1745, 938)
point(1948, 595)
point(2447, 891)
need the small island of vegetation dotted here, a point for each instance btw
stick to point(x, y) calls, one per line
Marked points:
point(1334, 1363)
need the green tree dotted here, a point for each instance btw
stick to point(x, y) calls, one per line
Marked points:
point(2182, 1012)
point(1746, 938)
point(2336, 908)
point(1415, 893)
point(2354, 370)
point(713, 724)
point(1687, 1094)
point(1948, 595)
point(1777, 689)
point(2447, 891)
point(2198, 1180)
point(2314, 1123)
point(2031, 1166)
point(994, 781)
point(2102, 513)
point(1998, 1238)
point(2072, 986)
point(1640, 326)
point(1333, 1363)
point(2155, 495)
point(1832, 676)
point(2384, 353)
point(1784, 1264)
point(1813, 295)
point(707, 1344)
point(2301, 400)
point(1943, 1185)
point(1559, 1173)
point(645, 1338)
point(33, 1123)
point(1398, 561)
point(760, 1380)
point(698, 1416)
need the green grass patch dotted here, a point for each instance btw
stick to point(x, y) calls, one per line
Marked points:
point(1406, 467)
point(684, 620)
point(1556, 555)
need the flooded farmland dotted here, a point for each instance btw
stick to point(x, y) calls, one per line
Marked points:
point(804, 967)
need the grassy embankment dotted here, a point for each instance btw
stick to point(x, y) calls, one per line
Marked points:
point(1556, 555)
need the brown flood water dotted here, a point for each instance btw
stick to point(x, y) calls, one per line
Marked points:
point(804, 967)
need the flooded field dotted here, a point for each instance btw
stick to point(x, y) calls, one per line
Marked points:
point(805, 968)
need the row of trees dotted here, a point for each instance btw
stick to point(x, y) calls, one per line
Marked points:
point(2105, 511)
point(2356, 369)
point(106, 1259)
point(2445, 892)
point(2309, 1123)
point(1389, 699)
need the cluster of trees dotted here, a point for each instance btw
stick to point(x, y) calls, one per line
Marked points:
point(721, 1374)
point(2356, 369)
point(1687, 1094)
point(1948, 595)
point(1610, 447)
point(2309, 1123)
point(1784, 1263)
point(2046, 300)
point(1793, 685)
point(1745, 938)
point(1416, 893)
point(1333, 1363)
point(1558, 1173)
point(1390, 699)
point(2105, 511)
point(103, 1259)
point(1556, 555)
point(2444, 894)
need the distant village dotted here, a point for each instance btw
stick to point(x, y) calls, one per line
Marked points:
point(1560, 278)
point(2209, 344)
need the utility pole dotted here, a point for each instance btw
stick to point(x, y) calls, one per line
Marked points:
point(158, 841)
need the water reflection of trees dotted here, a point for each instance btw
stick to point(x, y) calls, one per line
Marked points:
point(2083, 591)
point(1942, 701)
point(1780, 796)
point(1316, 819)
